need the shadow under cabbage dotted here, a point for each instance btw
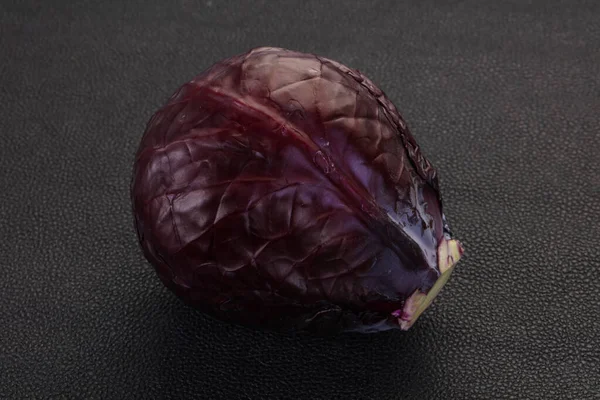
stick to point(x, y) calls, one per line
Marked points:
point(201, 356)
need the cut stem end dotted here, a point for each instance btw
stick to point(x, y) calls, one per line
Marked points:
point(449, 252)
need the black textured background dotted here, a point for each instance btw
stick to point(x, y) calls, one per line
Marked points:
point(503, 96)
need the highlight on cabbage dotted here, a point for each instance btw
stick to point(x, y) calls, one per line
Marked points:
point(283, 190)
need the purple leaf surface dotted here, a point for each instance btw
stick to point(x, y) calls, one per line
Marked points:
point(283, 190)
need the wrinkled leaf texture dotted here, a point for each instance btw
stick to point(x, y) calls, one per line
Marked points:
point(283, 190)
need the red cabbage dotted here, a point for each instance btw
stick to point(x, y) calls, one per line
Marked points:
point(283, 190)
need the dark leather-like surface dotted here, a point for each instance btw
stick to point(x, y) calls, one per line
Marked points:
point(504, 99)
